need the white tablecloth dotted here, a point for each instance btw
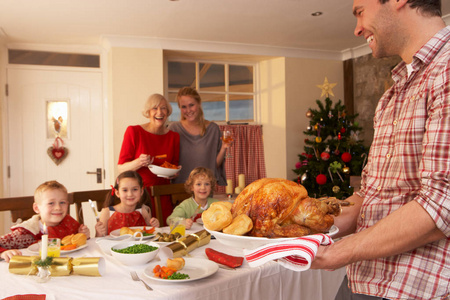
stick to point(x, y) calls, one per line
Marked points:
point(270, 281)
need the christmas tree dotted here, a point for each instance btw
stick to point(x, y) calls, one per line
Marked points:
point(333, 153)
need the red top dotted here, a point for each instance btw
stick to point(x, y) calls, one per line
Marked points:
point(119, 220)
point(137, 141)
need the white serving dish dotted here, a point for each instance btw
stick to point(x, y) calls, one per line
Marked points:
point(163, 172)
point(134, 259)
point(251, 242)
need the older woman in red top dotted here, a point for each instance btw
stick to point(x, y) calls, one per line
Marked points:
point(151, 143)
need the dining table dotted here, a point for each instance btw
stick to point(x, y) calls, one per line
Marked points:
point(269, 281)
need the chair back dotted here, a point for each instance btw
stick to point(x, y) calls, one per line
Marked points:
point(20, 207)
point(176, 191)
point(85, 212)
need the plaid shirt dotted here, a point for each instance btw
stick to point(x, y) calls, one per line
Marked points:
point(409, 160)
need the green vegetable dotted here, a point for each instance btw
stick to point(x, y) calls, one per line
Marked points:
point(178, 276)
point(136, 249)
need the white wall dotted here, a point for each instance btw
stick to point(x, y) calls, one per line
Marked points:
point(134, 74)
point(302, 78)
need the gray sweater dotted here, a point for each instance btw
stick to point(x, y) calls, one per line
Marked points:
point(199, 151)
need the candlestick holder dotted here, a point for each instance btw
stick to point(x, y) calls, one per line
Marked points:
point(43, 267)
point(43, 274)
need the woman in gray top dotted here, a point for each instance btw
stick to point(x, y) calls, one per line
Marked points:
point(200, 139)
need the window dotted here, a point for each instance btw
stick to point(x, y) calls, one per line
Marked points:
point(227, 90)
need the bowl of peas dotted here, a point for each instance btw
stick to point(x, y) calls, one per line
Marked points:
point(134, 252)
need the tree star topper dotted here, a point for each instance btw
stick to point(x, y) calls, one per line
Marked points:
point(326, 88)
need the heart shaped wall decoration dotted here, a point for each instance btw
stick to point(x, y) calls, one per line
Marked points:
point(57, 152)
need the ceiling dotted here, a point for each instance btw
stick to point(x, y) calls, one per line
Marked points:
point(280, 24)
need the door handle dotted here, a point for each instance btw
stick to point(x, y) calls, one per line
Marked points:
point(98, 173)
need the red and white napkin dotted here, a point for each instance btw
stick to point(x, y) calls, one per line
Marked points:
point(296, 254)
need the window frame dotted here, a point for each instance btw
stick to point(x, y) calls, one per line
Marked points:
point(226, 92)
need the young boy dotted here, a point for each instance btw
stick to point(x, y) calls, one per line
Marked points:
point(51, 205)
point(200, 183)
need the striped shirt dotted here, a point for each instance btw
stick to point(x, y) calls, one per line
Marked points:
point(409, 160)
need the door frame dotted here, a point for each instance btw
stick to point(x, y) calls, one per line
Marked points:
point(107, 120)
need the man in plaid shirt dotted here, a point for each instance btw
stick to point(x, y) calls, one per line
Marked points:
point(401, 216)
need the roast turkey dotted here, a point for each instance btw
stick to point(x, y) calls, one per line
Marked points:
point(282, 208)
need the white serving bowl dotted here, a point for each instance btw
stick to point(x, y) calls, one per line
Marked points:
point(163, 172)
point(134, 259)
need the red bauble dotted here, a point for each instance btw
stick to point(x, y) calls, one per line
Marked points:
point(321, 179)
point(346, 157)
point(325, 156)
point(342, 130)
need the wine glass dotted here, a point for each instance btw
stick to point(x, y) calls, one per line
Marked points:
point(227, 138)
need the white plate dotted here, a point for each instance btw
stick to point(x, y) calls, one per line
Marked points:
point(251, 242)
point(116, 233)
point(35, 249)
point(199, 221)
point(196, 268)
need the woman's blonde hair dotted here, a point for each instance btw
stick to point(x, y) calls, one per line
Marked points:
point(200, 172)
point(188, 91)
point(154, 101)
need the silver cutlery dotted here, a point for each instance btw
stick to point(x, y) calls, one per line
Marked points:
point(135, 277)
point(93, 208)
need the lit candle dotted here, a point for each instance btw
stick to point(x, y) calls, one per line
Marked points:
point(44, 243)
point(242, 181)
point(229, 188)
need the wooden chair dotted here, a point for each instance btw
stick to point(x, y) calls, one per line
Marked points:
point(177, 193)
point(86, 215)
point(20, 207)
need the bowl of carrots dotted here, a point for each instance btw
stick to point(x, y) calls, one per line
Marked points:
point(166, 170)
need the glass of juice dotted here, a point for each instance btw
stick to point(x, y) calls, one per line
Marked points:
point(181, 227)
point(53, 248)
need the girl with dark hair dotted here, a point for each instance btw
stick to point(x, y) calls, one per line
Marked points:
point(126, 206)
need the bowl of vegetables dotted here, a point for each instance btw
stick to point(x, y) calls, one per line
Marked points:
point(134, 252)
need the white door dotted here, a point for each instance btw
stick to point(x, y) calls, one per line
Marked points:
point(30, 164)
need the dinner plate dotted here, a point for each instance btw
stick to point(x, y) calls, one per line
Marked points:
point(35, 249)
point(116, 233)
point(196, 268)
point(252, 242)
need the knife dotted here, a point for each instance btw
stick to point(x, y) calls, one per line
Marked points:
point(95, 211)
point(197, 210)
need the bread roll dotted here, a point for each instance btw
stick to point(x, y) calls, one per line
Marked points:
point(239, 226)
point(217, 216)
point(67, 240)
point(79, 239)
point(175, 263)
point(126, 230)
point(226, 204)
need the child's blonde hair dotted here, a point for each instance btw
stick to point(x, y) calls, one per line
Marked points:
point(48, 185)
point(200, 172)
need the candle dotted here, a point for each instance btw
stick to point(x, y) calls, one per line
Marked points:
point(229, 188)
point(242, 181)
point(237, 190)
point(44, 244)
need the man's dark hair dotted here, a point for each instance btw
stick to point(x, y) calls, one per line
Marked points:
point(428, 7)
